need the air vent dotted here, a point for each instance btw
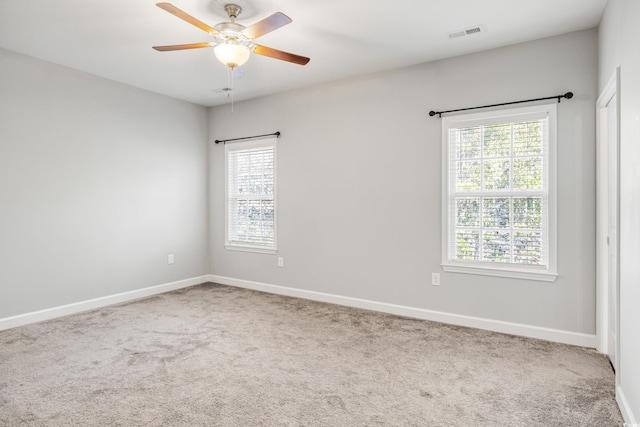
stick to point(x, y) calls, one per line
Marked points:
point(466, 32)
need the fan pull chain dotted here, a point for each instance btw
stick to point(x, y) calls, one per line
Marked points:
point(232, 88)
point(230, 85)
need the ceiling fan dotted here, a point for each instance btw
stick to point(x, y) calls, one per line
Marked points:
point(233, 42)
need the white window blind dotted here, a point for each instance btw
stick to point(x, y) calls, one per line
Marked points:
point(499, 207)
point(251, 189)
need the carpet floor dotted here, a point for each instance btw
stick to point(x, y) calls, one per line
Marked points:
point(214, 355)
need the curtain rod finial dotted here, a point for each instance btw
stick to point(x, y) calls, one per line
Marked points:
point(432, 113)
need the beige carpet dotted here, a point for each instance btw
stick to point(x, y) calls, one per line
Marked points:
point(213, 355)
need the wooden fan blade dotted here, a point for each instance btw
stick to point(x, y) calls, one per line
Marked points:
point(280, 54)
point(267, 25)
point(186, 17)
point(182, 46)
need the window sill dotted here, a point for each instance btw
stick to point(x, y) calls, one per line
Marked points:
point(254, 249)
point(542, 276)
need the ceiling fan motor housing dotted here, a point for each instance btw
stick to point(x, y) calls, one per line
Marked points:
point(229, 27)
point(232, 31)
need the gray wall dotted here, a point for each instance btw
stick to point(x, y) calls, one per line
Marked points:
point(98, 182)
point(619, 36)
point(359, 184)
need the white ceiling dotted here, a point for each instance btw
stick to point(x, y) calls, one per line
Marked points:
point(343, 38)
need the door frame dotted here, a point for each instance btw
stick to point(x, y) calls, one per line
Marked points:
point(602, 249)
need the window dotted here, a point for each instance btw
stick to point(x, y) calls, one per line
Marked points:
point(499, 214)
point(250, 195)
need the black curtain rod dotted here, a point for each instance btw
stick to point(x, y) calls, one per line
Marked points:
point(224, 141)
point(567, 95)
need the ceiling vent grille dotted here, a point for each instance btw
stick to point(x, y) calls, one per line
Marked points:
point(466, 32)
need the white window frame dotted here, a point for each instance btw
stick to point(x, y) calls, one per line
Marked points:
point(237, 245)
point(547, 273)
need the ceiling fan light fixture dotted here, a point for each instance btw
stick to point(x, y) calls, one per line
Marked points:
point(232, 55)
point(234, 42)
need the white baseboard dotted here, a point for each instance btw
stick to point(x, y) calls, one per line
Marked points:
point(64, 310)
point(625, 408)
point(573, 338)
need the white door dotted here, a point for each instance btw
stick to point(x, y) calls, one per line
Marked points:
point(613, 234)
point(608, 234)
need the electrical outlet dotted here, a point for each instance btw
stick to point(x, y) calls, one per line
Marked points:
point(170, 259)
point(435, 279)
point(280, 261)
